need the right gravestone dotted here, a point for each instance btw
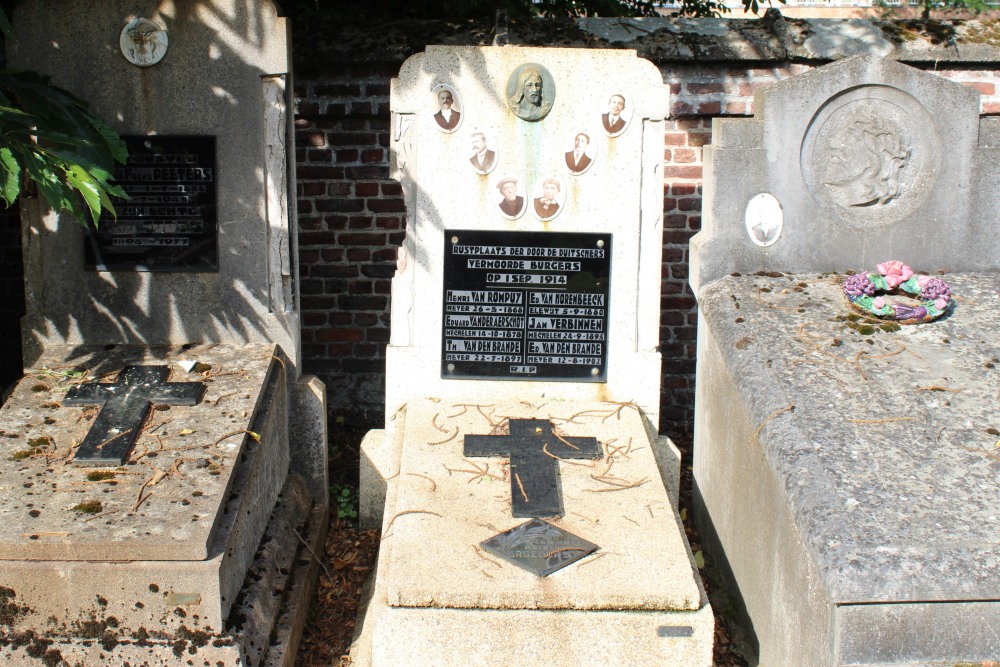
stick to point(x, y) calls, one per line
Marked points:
point(846, 437)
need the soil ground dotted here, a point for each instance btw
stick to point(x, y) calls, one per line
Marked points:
point(350, 555)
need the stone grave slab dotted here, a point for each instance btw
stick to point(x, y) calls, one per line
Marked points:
point(166, 516)
point(443, 503)
point(884, 509)
point(857, 454)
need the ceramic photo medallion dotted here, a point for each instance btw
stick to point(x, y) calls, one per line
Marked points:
point(580, 151)
point(548, 197)
point(484, 152)
point(447, 108)
point(764, 219)
point(512, 197)
point(617, 113)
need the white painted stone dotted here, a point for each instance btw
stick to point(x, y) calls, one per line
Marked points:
point(640, 588)
point(621, 193)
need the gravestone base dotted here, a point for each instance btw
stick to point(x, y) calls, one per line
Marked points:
point(638, 595)
point(863, 466)
point(135, 560)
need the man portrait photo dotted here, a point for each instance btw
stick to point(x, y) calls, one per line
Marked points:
point(529, 100)
point(483, 159)
point(447, 118)
point(577, 159)
point(613, 122)
point(547, 205)
point(512, 204)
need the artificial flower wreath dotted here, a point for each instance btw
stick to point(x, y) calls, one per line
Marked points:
point(867, 291)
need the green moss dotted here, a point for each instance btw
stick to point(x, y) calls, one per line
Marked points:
point(41, 441)
point(89, 507)
point(889, 327)
point(25, 453)
point(100, 476)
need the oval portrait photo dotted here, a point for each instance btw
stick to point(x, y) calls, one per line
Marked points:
point(617, 113)
point(447, 108)
point(512, 196)
point(580, 152)
point(549, 197)
point(484, 153)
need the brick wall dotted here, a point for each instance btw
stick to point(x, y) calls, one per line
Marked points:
point(351, 217)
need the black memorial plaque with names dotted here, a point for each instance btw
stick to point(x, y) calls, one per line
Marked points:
point(534, 453)
point(169, 222)
point(539, 547)
point(125, 404)
point(525, 305)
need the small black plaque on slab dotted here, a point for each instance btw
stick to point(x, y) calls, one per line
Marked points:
point(169, 222)
point(539, 547)
point(526, 305)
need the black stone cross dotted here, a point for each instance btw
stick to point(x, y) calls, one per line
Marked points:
point(124, 407)
point(534, 467)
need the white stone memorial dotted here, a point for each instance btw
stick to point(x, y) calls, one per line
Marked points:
point(523, 374)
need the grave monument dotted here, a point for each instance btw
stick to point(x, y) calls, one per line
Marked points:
point(149, 515)
point(524, 495)
point(845, 433)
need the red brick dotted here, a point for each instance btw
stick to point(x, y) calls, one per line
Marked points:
point(699, 138)
point(685, 155)
point(394, 205)
point(366, 189)
point(682, 189)
point(690, 204)
point(682, 172)
point(705, 88)
point(675, 138)
point(711, 108)
point(982, 86)
point(991, 108)
point(736, 108)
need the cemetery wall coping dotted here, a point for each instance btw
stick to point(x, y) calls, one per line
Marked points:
point(663, 40)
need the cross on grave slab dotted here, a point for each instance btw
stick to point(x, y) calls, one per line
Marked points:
point(125, 405)
point(534, 451)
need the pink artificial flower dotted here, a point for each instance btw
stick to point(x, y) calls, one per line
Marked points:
point(878, 302)
point(941, 304)
point(894, 272)
point(922, 280)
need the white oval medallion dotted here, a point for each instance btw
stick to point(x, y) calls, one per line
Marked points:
point(764, 219)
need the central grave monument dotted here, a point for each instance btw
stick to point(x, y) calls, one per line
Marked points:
point(524, 495)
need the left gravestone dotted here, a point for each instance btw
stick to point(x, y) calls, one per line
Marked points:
point(145, 495)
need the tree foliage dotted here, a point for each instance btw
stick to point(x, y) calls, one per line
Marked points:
point(50, 138)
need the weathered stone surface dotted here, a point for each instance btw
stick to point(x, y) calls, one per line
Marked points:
point(177, 518)
point(639, 588)
point(666, 40)
point(177, 527)
point(870, 469)
point(226, 64)
point(807, 148)
point(442, 506)
point(262, 630)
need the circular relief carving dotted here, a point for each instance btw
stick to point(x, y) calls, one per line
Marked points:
point(872, 154)
point(143, 42)
point(531, 91)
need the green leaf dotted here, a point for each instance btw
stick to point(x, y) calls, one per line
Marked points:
point(10, 173)
point(699, 559)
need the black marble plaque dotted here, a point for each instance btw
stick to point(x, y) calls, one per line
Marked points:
point(539, 547)
point(169, 222)
point(534, 453)
point(125, 404)
point(525, 305)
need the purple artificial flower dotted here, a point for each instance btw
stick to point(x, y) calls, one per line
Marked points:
point(903, 312)
point(858, 286)
point(936, 289)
